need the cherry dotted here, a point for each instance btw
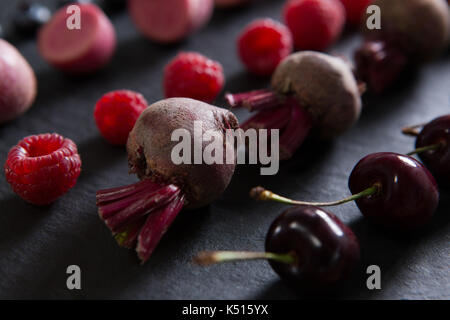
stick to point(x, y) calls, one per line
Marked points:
point(306, 246)
point(392, 190)
point(433, 147)
point(407, 195)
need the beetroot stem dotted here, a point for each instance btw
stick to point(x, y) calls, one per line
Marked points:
point(107, 195)
point(119, 214)
point(296, 131)
point(254, 100)
point(269, 119)
point(128, 238)
point(156, 226)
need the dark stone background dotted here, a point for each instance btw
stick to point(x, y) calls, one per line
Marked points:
point(37, 244)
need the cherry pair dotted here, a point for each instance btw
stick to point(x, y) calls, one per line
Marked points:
point(311, 248)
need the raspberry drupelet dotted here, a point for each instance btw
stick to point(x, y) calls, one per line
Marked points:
point(263, 44)
point(192, 75)
point(43, 167)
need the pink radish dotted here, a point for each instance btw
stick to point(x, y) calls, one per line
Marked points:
point(78, 51)
point(17, 83)
point(169, 21)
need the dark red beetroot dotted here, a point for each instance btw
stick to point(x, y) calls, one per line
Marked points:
point(17, 83)
point(309, 90)
point(139, 214)
point(412, 31)
point(169, 20)
point(78, 51)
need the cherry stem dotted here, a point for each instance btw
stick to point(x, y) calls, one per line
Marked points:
point(206, 258)
point(412, 130)
point(261, 194)
point(426, 148)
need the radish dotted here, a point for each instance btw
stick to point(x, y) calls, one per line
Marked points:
point(78, 51)
point(169, 21)
point(139, 214)
point(17, 83)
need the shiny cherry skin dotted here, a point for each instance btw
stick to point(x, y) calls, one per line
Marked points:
point(326, 250)
point(408, 194)
point(437, 161)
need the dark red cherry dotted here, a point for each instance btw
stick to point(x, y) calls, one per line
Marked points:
point(438, 160)
point(407, 195)
point(325, 249)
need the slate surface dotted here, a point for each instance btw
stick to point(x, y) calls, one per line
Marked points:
point(37, 244)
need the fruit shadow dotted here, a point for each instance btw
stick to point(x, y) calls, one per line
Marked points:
point(107, 270)
point(18, 218)
point(309, 159)
point(98, 156)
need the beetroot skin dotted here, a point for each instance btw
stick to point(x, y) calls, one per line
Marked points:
point(310, 91)
point(412, 32)
point(325, 86)
point(17, 83)
point(149, 148)
point(421, 27)
point(139, 214)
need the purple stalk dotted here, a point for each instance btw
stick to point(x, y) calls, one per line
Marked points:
point(379, 64)
point(269, 119)
point(296, 131)
point(124, 211)
point(156, 226)
point(128, 238)
point(108, 195)
point(254, 100)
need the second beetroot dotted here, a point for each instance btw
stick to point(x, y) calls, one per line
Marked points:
point(311, 91)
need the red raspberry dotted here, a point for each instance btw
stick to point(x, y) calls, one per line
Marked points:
point(263, 44)
point(356, 10)
point(192, 75)
point(315, 24)
point(42, 168)
point(116, 113)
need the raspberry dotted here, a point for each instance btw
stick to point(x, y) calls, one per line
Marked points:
point(315, 24)
point(192, 75)
point(43, 167)
point(356, 10)
point(116, 113)
point(263, 44)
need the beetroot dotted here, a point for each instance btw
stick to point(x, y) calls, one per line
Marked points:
point(169, 21)
point(310, 90)
point(17, 83)
point(78, 51)
point(139, 214)
point(412, 32)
